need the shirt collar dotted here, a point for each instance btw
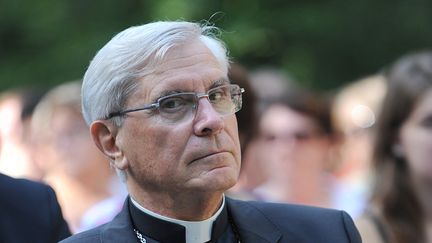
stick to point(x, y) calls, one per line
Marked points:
point(191, 231)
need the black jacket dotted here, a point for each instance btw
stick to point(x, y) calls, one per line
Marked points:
point(29, 212)
point(257, 222)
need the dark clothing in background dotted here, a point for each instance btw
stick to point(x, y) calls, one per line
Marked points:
point(29, 212)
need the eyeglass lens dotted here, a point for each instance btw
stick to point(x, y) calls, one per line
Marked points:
point(225, 100)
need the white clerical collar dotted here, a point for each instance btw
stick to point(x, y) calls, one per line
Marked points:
point(196, 231)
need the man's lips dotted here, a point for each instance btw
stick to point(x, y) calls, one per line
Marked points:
point(207, 155)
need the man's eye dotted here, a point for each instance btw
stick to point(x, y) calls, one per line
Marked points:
point(172, 104)
point(218, 95)
point(215, 96)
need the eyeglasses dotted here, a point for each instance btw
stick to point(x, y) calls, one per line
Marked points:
point(225, 99)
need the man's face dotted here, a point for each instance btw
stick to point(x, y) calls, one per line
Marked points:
point(197, 154)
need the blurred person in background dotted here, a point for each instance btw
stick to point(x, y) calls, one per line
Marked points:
point(354, 113)
point(400, 209)
point(270, 83)
point(250, 174)
point(264, 84)
point(29, 212)
point(88, 190)
point(247, 116)
point(296, 144)
point(16, 107)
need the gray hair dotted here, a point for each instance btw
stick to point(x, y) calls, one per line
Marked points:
point(132, 54)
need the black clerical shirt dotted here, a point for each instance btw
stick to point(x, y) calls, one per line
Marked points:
point(157, 230)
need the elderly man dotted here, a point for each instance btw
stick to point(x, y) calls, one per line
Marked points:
point(161, 108)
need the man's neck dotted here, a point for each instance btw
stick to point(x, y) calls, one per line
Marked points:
point(166, 229)
point(183, 206)
point(173, 220)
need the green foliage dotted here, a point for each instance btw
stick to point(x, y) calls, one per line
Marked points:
point(322, 43)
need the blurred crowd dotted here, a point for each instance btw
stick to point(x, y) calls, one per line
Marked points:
point(44, 138)
point(365, 148)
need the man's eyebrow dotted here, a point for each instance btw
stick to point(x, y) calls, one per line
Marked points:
point(219, 82)
point(166, 93)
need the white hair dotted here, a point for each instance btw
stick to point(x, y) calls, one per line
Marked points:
point(131, 55)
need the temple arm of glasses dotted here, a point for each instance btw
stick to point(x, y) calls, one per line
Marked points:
point(122, 113)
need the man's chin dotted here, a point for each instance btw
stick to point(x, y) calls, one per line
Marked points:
point(218, 179)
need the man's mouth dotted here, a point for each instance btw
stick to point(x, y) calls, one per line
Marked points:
point(206, 156)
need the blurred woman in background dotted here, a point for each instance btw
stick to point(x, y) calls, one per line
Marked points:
point(296, 143)
point(400, 209)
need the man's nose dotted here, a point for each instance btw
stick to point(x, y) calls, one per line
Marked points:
point(207, 120)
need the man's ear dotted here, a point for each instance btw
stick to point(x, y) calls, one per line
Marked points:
point(105, 137)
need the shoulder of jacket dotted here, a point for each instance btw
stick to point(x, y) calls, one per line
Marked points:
point(89, 236)
point(283, 208)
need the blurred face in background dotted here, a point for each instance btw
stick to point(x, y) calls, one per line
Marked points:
point(15, 154)
point(70, 148)
point(415, 139)
point(293, 142)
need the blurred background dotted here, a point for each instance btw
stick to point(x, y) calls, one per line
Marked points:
point(312, 70)
point(322, 44)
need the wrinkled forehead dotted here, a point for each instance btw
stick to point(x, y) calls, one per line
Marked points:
point(190, 67)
